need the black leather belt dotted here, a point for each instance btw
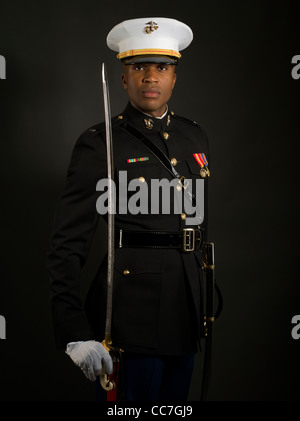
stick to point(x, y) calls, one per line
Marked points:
point(189, 239)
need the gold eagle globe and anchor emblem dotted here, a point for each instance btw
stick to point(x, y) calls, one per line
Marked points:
point(151, 27)
point(148, 123)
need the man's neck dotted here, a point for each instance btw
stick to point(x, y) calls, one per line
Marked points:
point(150, 115)
point(162, 116)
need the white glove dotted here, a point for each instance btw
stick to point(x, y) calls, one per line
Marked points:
point(90, 357)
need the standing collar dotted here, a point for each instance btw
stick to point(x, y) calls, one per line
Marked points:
point(161, 117)
point(137, 118)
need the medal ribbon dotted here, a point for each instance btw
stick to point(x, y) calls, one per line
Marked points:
point(201, 159)
point(131, 160)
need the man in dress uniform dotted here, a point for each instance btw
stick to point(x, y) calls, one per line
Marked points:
point(157, 307)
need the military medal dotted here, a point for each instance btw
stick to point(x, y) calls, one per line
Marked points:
point(202, 161)
point(204, 172)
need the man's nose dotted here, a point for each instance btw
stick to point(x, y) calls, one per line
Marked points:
point(150, 75)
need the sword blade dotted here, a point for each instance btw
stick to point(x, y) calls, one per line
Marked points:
point(111, 198)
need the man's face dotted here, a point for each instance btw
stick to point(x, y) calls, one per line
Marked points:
point(149, 86)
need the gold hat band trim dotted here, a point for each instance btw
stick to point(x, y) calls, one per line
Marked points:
point(148, 51)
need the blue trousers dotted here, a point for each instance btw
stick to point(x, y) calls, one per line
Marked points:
point(151, 378)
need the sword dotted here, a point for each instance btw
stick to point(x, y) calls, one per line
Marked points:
point(111, 220)
point(106, 382)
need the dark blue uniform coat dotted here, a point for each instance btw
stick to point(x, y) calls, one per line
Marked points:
point(157, 304)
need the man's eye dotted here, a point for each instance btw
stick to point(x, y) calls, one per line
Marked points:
point(163, 68)
point(139, 67)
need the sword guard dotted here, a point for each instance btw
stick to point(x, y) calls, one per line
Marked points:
point(106, 383)
point(106, 343)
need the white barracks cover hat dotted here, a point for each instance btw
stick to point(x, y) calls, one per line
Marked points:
point(149, 39)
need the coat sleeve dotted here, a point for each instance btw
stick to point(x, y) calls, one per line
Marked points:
point(75, 222)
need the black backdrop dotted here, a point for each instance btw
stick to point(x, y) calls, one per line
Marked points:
point(235, 80)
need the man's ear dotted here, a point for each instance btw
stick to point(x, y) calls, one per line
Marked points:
point(174, 80)
point(124, 80)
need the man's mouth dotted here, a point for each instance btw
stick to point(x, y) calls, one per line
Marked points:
point(150, 93)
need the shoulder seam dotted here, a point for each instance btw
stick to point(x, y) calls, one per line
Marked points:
point(185, 120)
point(100, 127)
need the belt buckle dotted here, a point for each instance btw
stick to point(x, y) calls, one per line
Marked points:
point(188, 239)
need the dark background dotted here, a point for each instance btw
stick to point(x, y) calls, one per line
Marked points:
point(235, 80)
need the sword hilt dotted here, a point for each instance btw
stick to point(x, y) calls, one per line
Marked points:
point(106, 383)
point(107, 344)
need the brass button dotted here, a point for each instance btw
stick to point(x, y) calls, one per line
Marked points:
point(174, 161)
point(183, 216)
point(120, 117)
point(142, 179)
point(126, 272)
point(166, 135)
point(172, 113)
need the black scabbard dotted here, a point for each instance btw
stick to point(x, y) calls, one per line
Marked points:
point(209, 318)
